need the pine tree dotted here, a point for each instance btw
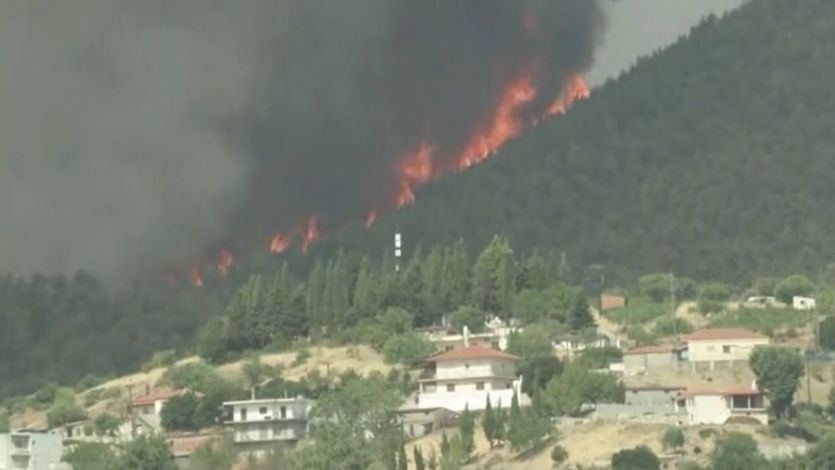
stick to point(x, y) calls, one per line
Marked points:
point(418, 456)
point(579, 315)
point(485, 275)
point(505, 287)
point(488, 422)
point(500, 424)
point(456, 277)
point(412, 289)
point(432, 294)
point(364, 300)
point(444, 443)
point(402, 461)
point(467, 430)
point(315, 291)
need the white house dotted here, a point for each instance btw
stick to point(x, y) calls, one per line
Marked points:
point(729, 346)
point(803, 303)
point(569, 345)
point(465, 377)
point(259, 426)
point(742, 404)
point(30, 450)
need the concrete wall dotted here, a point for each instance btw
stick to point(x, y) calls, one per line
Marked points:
point(39, 451)
point(714, 409)
point(638, 363)
point(651, 397)
point(643, 414)
point(723, 350)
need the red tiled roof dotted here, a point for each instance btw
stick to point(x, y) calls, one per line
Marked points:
point(650, 350)
point(471, 352)
point(158, 394)
point(735, 390)
point(723, 333)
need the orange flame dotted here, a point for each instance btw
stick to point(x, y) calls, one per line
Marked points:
point(370, 218)
point(414, 169)
point(576, 89)
point(280, 243)
point(311, 234)
point(505, 125)
point(224, 261)
point(196, 276)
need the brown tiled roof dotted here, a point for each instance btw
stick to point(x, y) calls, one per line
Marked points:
point(471, 352)
point(650, 350)
point(735, 390)
point(158, 394)
point(723, 333)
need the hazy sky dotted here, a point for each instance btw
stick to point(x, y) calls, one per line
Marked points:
point(638, 27)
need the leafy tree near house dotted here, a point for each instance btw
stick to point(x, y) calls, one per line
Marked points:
point(673, 438)
point(406, 348)
point(526, 428)
point(822, 455)
point(736, 451)
point(91, 456)
point(656, 286)
point(106, 424)
point(579, 315)
point(179, 413)
point(827, 333)
point(559, 455)
point(639, 458)
point(778, 372)
point(64, 408)
point(147, 453)
point(796, 284)
point(468, 316)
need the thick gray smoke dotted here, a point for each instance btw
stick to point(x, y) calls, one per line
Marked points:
point(134, 135)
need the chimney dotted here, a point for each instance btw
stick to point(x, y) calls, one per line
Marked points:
point(466, 336)
point(147, 389)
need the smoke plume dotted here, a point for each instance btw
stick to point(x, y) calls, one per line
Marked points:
point(134, 135)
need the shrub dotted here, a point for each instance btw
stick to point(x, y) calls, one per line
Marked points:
point(106, 424)
point(707, 433)
point(89, 381)
point(791, 286)
point(406, 348)
point(92, 397)
point(640, 336)
point(673, 438)
point(179, 413)
point(46, 394)
point(64, 409)
point(639, 458)
point(640, 310)
point(665, 326)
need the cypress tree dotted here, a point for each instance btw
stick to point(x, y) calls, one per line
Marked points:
point(418, 456)
point(488, 422)
point(467, 430)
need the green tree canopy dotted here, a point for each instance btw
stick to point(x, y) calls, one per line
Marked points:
point(736, 451)
point(639, 458)
point(791, 286)
point(778, 372)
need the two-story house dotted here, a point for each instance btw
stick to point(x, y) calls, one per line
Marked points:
point(465, 377)
point(721, 346)
point(741, 404)
point(30, 450)
point(146, 409)
point(261, 425)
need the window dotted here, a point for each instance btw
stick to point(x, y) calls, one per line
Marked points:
point(262, 410)
point(243, 414)
point(726, 349)
point(283, 412)
point(450, 387)
point(479, 385)
point(509, 385)
point(467, 365)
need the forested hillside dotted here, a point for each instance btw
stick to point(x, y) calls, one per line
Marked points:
point(712, 159)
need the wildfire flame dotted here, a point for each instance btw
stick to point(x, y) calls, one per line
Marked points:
point(224, 261)
point(196, 276)
point(416, 168)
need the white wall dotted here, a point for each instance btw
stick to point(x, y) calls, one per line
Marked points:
point(472, 399)
point(474, 368)
point(714, 350)
point(44, 450)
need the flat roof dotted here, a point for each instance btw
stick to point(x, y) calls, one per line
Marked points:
point(714, 334)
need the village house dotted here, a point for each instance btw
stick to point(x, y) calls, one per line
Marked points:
point(417, 422)
point(721, 346)
point(645, 403)
point(146, 409)
point(803, 303)
point(741, 404)
point(612, 301)
point(262, 425)
point(465, 377)
point(30, 450)
point(643, 358)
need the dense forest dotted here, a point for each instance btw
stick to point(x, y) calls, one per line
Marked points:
point(61, 328)
point(712, 159)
